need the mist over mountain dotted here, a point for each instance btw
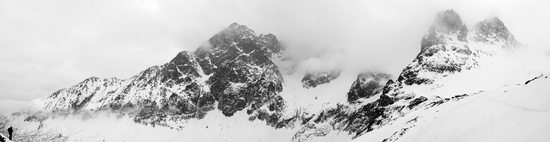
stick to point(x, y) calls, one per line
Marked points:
point(48, 46)
point(465, 81)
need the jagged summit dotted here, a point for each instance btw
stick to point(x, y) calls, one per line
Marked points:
point(236, 41)
point(234, 31)
point(91, 79)
point(449, 48)
point(233, 68)
point(444, 50)
point(449, 21)
point(492, 30)
point(447, 26)
point(447, 51)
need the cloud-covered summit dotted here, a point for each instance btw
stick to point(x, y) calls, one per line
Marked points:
point(48, 45)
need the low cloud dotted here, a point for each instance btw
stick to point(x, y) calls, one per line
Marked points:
point(8, 106)
point(46, 46)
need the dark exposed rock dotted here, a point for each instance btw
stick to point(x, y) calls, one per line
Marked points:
point(533, 79)
point(242, 72)
point(367, 84)
point(180, 69)
point(364, 119)
point(446, 39)
point(447, 28)
point(233, 68)
point(409, 76)
point(493, 30)
point(313, 79)
point(417, 101)
point(458, 97)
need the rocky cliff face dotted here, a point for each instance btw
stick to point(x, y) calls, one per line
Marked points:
point(367, 85)
point(492, 31)
point(314, 79)
point(446, 50)
point(230, 72)
point(234, 71)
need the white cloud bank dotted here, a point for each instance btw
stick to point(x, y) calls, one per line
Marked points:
point(9, 106)
point(49, 45)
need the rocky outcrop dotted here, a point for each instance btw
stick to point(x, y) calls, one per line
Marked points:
point(367, 85)
point(447, 49)
point(493, 31)
point(233, 70)
point(313, 79)
point(444, 50)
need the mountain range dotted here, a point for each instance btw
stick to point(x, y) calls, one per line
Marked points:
point(240, 77)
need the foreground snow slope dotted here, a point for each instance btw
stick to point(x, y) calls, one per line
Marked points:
point(94, 127)
point(512, 112)
point(97, 126)
point(508, 114)
point(214, 127)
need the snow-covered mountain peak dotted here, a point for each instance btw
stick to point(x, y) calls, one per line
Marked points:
point(91, 79)
point(449, 67)
point(243, 40)
point(492, 31)
point(446, 27)
point(448, 21)
point(237, 29)
point(445, 53)
point(231, 71)
point(444, 50)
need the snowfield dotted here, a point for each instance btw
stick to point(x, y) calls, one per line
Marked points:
point(108, 127)
point(506, 99)
point(510, 113)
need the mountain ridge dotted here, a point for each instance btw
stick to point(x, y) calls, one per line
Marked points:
point(234, 72)
point(190, 83)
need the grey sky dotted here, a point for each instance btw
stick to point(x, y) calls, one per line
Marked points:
point(49, 45)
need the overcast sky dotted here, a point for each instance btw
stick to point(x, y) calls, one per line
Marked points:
point(49, 45)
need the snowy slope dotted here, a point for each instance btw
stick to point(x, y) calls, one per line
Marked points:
point(214, 127)
point(487, 101)
point(516, 112)
point(110, 127)
point(453, 64)
point(511, 114)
